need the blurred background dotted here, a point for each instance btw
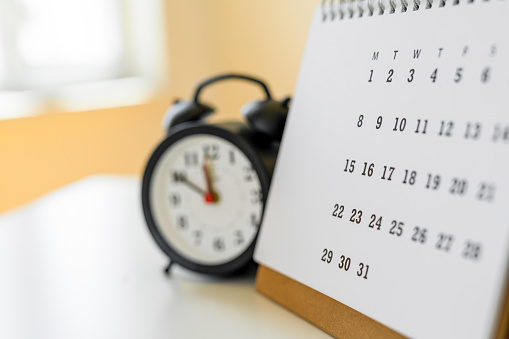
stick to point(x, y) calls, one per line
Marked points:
point(84, 84)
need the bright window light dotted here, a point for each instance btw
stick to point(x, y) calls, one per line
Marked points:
point(71, 33)
point(77, 55)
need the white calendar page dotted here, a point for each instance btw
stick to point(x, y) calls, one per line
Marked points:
point(391, 191)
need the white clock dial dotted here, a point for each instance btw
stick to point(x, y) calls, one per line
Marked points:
point(206, 199)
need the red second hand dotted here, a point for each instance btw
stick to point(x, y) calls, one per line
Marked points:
point(208, 196)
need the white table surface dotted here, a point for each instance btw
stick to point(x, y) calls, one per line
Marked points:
point(80, 263)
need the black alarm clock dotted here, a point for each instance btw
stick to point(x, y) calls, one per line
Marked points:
point(205, 185)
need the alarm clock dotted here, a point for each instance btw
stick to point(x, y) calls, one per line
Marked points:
point(205, 185)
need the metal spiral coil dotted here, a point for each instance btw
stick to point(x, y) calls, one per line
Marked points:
point(345, 9)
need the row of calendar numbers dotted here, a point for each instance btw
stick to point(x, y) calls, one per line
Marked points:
point(472, 130)
point(442, 241)
point(457, 186)
point(435, 76)
point(344, 263)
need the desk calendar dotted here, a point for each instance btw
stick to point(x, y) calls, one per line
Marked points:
point(391, 191)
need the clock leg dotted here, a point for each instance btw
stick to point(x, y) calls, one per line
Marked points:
point(168, 267)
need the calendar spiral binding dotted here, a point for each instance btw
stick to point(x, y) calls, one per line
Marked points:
point(346, 9)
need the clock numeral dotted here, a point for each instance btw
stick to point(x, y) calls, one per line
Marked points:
point(175, 199)
point(248, 173)
point(256, 196)
point(232, 157)
point(211, 151)
point(254, 221)
point(179, 176)
point(239, 238)
point(190, 159)
point(182, 222)
point(218, 244)
point(197, 237)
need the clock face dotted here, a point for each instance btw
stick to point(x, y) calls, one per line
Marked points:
point(206, 199)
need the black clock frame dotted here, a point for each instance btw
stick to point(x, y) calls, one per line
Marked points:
point(263, 161)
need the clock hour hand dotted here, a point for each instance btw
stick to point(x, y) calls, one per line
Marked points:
point(181, 177)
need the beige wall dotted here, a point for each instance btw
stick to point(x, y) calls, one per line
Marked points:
point(263, 38)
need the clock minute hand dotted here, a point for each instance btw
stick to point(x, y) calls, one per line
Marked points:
point(210, 196)
point(181, 177)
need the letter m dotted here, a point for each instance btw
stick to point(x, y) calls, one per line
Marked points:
point(375, 56)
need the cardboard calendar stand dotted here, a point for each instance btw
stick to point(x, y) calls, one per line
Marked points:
point(332, 316)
